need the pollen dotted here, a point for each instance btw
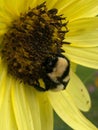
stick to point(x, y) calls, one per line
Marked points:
point(30, 39)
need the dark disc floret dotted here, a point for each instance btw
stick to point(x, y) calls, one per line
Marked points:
point(30, 39)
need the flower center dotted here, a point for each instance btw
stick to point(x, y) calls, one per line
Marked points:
point(32, 38)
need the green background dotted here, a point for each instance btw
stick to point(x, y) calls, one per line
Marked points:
point(90, 79)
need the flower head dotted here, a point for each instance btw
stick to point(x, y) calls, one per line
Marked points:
point(31, 31)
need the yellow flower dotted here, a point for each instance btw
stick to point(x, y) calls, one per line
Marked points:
point(24, 108)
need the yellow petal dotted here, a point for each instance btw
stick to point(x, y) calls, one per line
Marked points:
point(79, 9)
point(35, 3)
point(4, 18)
point(83, 32)
point(7, 120)
point(25, 118)
point(79, 93)
point(10, 10)
point(46, 112)
point(2, 26)
point(1, 3)
point(2, 32)
point(83, 56)
point(33, 105)
point(3, 79)
point(73, 66)
point(63, 5)
point(32, 109)
point(64, 106)
point(29, 4)
point(14, 7)
point(51, 3)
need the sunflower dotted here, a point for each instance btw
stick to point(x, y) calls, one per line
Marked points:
point(72, 28)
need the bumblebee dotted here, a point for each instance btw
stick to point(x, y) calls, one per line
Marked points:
point(56, 73)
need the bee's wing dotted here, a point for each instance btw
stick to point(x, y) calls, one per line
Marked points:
point(79, 93)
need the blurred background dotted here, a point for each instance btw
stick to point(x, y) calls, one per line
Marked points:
point(90, 79)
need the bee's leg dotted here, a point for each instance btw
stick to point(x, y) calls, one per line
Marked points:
point(39, 88)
